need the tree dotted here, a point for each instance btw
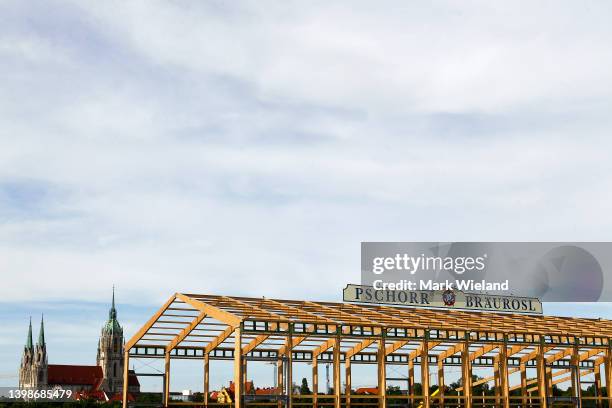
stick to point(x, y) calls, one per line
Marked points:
point(304, 390)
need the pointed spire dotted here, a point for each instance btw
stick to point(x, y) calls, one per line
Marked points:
point(29, 339)
point(41, 334)
point(112, 314)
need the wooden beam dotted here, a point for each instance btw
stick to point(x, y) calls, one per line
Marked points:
point(482, 351)
point(417, 352)
point(450, 351)
point(323, 347)
point(359, 347)
point(488, 379)
point(135, 338)
point(219, 339)
point(557, 356)
point(186, 331)
point(395, 346)
point(535, 353)
point(561, 380)
point(254, 343)
point(221, 315)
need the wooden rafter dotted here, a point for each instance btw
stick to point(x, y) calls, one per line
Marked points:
point(186, 331)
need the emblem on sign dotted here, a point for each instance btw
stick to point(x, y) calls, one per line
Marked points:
point(448, 297)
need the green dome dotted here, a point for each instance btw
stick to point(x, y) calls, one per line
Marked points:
point(112, 326)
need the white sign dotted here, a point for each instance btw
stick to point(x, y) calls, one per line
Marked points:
point(448, 299)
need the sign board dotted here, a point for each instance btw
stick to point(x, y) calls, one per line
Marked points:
point(448, 299)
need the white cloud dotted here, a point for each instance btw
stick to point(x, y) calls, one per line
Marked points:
point(226, 145)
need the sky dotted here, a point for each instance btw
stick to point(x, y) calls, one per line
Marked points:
point(247, 148)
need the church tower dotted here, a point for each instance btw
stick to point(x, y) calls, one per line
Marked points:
point(33, 368)
point(110, 351)
point(39, 364)
point(25, 369)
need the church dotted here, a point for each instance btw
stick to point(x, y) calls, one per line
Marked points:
point(103, 381)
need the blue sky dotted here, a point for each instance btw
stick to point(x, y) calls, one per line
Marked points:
point(249, 147)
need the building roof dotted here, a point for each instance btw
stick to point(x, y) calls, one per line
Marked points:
point(367, 391)
point(248, 387)
point(267, 391)
point(75, 375)
point(98, 395)
point(82, 375)
point(119, 397)
point(133, 379)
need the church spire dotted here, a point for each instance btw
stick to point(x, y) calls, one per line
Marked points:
point(112, 314)
point(29, 345)
point(112, 325)
point(41, 334)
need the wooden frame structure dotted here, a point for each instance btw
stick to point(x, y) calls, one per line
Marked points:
point(208, 327)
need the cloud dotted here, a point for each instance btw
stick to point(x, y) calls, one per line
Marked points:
point(248, 148)
point(167, 147)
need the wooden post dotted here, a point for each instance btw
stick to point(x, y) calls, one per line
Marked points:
point(289, 352)
point(382, 373)
point(441, 382)
point(425, 373)
point(166, 378)
point(336, 367)
point(503, 366)
point(466, 372)
point(280, 379)
point(523, 368)
point(549, 381)
point(245, 377)
point(347, 370)
point(541, 368)
point(597, 372)
point(608, 373)
point(238, 366)
point(126, 375)
point(411, 380)
point(206, 377)
point(496, 376)
point(576, 387)
point(315, 381)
